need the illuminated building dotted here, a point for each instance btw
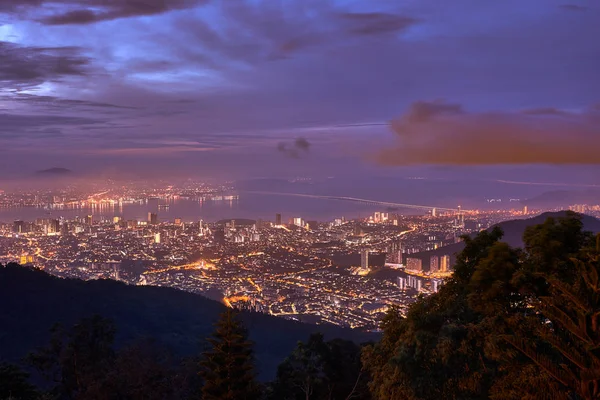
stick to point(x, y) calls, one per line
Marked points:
point(178, 221)
point(152, 218)
point(157, 238)
point(525, 210)
point(377, 217)
point(414, 264)
point(434, 265)
point(436, 284)
point(26, 260)
point(298, 221)
point(434, 212)
point(116, 220)
point(19, 227)
point(444, 263)
point(89, 220)
point(402, 283)
point(364, 259)
point(54, 226)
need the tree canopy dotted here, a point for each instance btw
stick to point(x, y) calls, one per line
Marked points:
point(509, 324)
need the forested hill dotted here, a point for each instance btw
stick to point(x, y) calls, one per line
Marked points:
point(31, 302)
point(513, 233)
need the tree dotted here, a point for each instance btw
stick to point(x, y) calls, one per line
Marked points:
point(322, 370)
point(14, 384)
point(228, 366)
point(544, 307)
point(78, 360)
point(436, 351)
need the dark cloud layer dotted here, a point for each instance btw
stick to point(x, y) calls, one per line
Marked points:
point(445, 134)
point(90, 11)
point(21, 65)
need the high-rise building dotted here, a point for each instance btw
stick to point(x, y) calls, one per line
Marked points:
point(434, 264)
point(178, 221)
point(436, 284)
point(444, 263)
point(54, 226)
point(364, 259)
point(157, 238)
point(414, 264)
point(278, 219)
point(402, 283)
point(19, 227)
point(89, 220)
point(298, 221)
point(152, 218)
point(525, 210)
point(433, 212)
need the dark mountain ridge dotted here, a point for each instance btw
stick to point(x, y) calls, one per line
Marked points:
point(31, 302)
point(513, 233)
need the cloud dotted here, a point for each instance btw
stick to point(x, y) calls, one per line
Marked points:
point(30, 66)
point(573, 7)
point(375, 23)
point(444, 134)
point(297, 149)
point(81, 12)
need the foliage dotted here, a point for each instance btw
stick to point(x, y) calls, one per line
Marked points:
point(322, 370)
point(14, 384)
point(510, 324)
point(227, 367)
point(77, 360)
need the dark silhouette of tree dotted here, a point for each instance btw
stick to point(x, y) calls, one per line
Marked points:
point(550, 307)
point(78, 360)
point(510, 324)
point(14, 384)
point(227, 368)
point(436, 351)
point(322, 370)
point(144, 371)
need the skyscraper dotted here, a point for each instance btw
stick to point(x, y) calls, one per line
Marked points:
point(19, 227)
point(364, 259)
point(434, 264)
point(152, 218)
point(277, 219)
point(444, 263)
point(89, 220)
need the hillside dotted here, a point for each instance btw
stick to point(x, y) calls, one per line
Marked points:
point(31, 302)
point(513, 233)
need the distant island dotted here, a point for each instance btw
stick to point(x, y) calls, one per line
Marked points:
point(54, 171)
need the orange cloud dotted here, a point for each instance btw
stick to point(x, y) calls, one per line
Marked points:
point(445, 134)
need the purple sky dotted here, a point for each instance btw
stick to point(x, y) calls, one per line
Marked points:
point(229, 86)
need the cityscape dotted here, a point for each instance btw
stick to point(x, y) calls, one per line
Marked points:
point(345, 271)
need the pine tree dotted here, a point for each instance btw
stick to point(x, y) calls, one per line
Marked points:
point(227, 367)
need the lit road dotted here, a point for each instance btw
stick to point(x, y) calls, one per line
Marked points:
point(356, 200)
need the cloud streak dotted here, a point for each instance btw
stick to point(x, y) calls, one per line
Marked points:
point(445, 134)
point(83, 12)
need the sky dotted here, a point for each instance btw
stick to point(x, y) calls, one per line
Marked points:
point(305, 87)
